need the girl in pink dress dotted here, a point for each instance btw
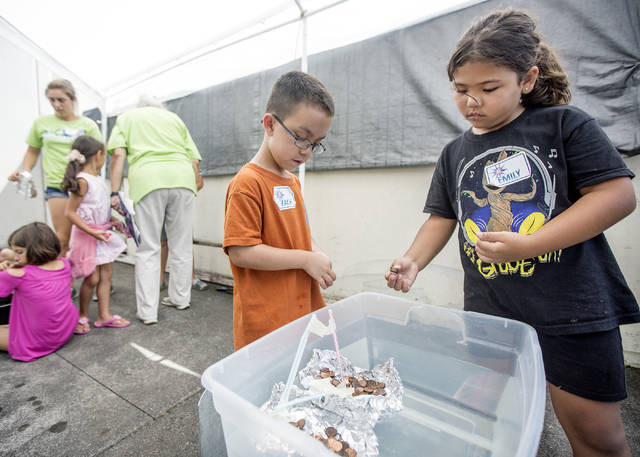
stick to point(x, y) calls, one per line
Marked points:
point(93, 246)
point(42, 316)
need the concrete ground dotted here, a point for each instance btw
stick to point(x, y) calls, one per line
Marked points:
point(134, 391)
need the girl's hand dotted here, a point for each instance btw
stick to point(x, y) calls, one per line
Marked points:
point(5, 264)
point(101, 235)
point(402, 274)
point(15, 176)
point(500, 247)
point(7, 254)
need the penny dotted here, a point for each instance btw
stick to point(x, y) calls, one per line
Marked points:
point(331, 432)
point(334, 445)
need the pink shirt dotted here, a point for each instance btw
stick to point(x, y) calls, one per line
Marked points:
point(42, 316)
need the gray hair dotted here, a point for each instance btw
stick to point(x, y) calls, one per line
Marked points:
point(150, 100)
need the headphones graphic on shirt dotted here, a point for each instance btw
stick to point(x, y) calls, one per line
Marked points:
point(504, 189)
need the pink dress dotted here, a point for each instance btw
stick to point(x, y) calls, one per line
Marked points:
point(95, 210)
point(42, 316)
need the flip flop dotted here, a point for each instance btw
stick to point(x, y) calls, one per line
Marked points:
point(110, 322)
point(85, 326)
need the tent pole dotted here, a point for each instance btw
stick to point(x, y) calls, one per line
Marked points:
point(304, 66)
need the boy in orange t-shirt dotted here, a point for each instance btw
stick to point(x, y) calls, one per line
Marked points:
point(277, 267)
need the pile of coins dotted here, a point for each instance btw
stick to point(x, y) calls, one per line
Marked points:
point(333, 440)
point(364, 386)
point(361, 385)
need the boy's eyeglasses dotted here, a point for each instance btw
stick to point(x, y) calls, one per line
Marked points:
point(302, 143)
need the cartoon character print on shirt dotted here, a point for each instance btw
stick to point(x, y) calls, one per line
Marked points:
point(506, 189)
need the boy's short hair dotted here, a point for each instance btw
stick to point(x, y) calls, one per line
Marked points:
point(297, 87)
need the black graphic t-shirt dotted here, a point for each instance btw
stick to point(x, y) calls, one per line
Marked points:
point(517, 179)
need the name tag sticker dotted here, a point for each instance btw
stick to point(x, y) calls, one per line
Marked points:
point(508, 171)
point(284, 198)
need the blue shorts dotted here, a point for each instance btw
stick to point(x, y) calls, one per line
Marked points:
point(52, 192)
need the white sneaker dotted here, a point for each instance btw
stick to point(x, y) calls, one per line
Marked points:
point(167, 302)
point(147, 321)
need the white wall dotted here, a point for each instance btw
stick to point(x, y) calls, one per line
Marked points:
point(26, 72)
point(363, 219)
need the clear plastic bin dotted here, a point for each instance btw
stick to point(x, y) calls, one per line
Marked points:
point(474, 384)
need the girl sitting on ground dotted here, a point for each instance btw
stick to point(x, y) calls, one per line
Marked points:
point(42, 317)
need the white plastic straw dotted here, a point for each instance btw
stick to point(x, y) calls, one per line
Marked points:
point(299, 400)
point(335, 341)
point(319, 329)
point(296, 362)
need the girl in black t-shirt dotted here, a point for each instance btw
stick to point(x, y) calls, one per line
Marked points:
point(532, 186)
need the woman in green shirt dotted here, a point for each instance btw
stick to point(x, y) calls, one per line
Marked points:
point(53, 134)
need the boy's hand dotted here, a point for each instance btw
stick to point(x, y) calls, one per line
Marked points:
point(5, 264)
point(402, 274)
point(318, 266)
point(500, 247)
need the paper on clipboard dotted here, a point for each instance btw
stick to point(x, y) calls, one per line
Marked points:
point(126, 209)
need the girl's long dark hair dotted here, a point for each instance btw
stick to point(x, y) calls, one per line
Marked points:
point(88, 147)
point(508, 38)
point(41, 243)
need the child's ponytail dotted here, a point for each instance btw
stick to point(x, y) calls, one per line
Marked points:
point(69, 182)
point(83, 148)
point(552, 85)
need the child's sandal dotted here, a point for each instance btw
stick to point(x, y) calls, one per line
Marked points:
point(84, 322)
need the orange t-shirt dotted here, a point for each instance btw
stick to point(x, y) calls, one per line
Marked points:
point(264, 208)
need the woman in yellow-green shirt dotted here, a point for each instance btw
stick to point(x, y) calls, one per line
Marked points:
point(53, 134)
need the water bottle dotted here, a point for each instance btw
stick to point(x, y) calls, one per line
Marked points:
point(25, 185)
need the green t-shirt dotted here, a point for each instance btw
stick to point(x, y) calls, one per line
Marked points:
point(159, 150)
point(54, 137)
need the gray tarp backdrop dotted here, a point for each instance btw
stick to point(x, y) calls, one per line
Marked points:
point(394, 105)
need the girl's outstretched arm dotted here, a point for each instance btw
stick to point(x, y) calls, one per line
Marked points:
point(431, 238)
point(601, 206)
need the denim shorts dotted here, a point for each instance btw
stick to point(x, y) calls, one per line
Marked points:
point(52, 192)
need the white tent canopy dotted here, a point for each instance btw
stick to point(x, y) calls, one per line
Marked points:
point(174, 48)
